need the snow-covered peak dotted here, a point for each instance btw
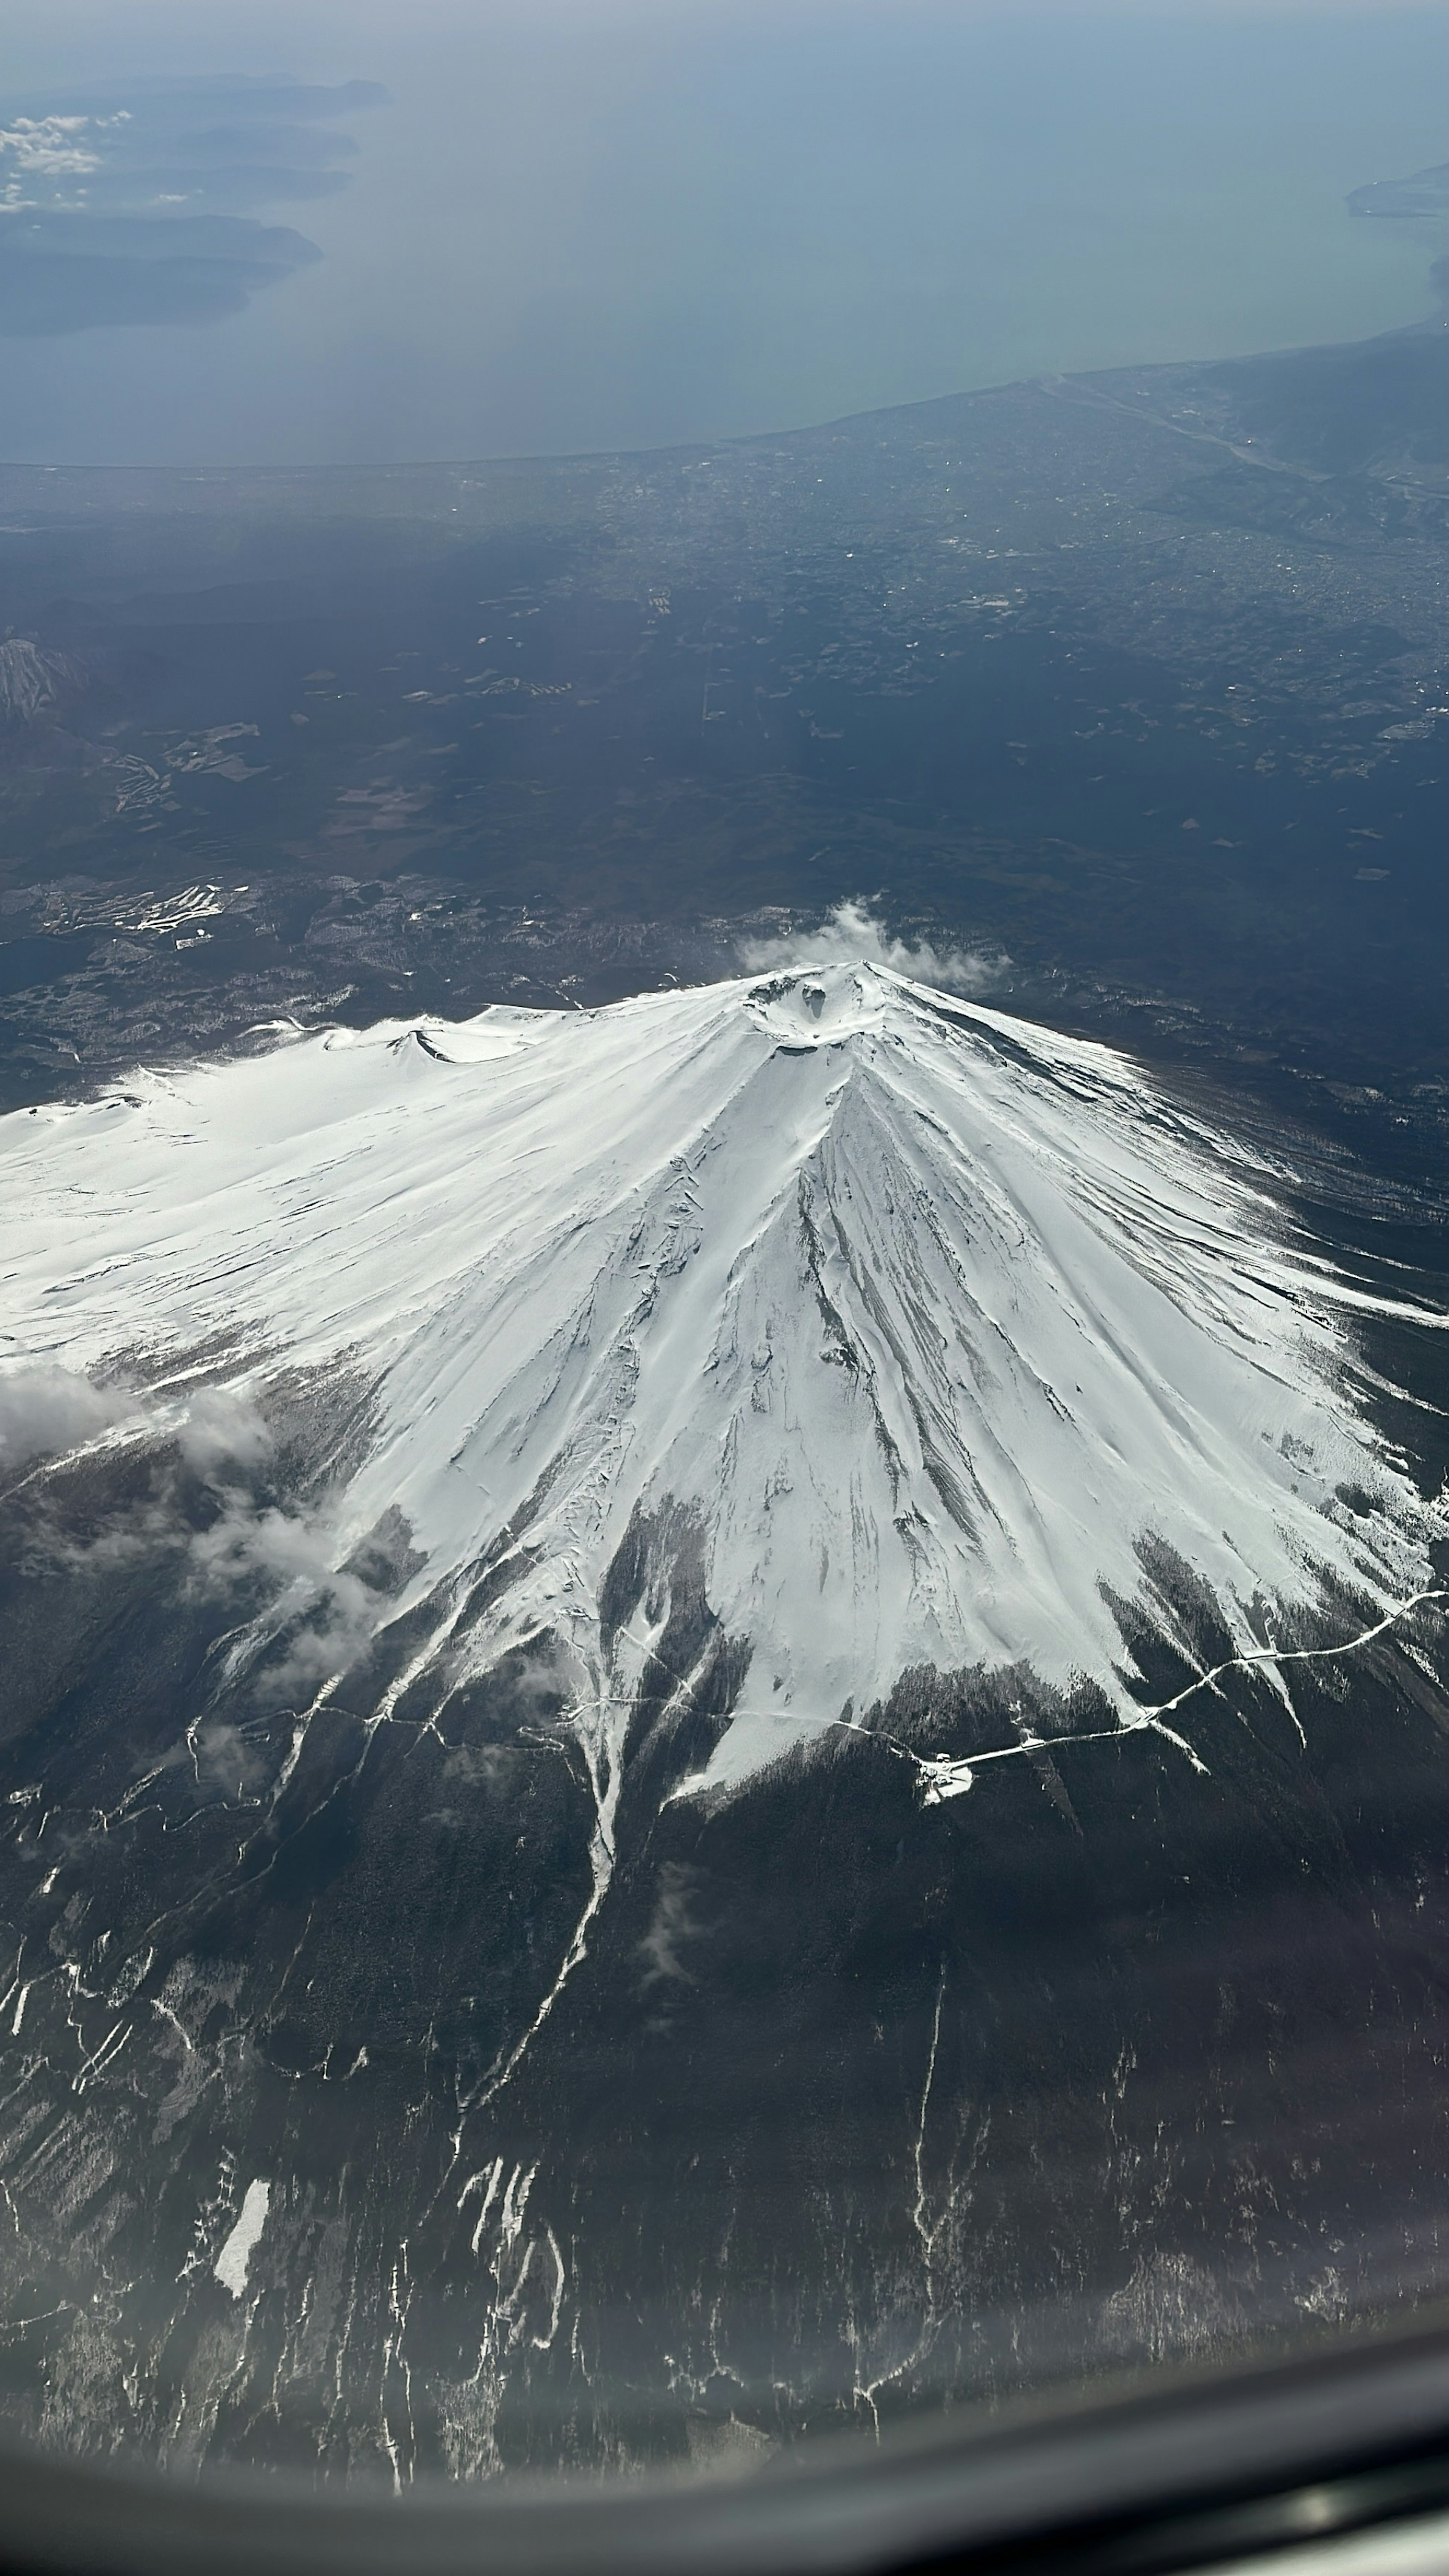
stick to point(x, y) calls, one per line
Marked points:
point(820, 1008)
point(920, 1317)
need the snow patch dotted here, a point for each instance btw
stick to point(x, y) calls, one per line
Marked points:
point(231, 2263)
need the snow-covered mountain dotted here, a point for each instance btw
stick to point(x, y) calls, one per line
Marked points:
point(32, 679)
point(921, 1322)
point(440, 1469)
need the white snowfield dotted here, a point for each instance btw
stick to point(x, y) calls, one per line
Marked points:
point(929, 1315)
point(232, 2263)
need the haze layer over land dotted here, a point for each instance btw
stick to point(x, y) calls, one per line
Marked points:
point(579, 228)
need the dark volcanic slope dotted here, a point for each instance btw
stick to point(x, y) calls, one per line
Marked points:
point(853, 2102)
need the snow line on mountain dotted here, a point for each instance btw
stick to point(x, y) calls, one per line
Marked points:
point(946, 1775)
point(928, 1323)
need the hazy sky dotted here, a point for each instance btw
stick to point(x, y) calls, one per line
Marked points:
point(600, 225)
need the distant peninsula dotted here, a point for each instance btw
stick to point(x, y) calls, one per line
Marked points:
point(1426, 193)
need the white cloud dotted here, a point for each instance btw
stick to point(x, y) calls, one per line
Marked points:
point(326, 1613)
point(46, 1410)
point(294, 1556)
point(672, 1927)
point(852, 934)
point(50, 146)
point(222, 1429)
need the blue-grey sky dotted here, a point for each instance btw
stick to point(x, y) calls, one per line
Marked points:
point(598, 223)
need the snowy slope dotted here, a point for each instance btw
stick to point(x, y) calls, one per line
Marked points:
point(930, 1315)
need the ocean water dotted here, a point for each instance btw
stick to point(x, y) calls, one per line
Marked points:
point(595, 225)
